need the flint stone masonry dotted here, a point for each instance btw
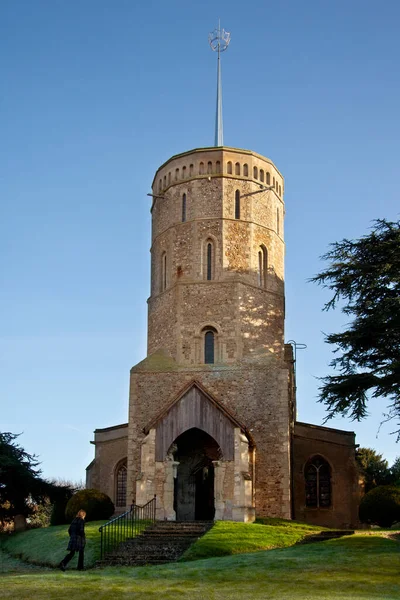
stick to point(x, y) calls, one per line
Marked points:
point(217, 264)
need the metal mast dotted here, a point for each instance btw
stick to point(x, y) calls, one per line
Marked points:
point(219, 41)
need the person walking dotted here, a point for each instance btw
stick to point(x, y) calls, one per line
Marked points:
point(77, 541)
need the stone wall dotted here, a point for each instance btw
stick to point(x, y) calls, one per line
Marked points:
point(256, 394)
point(338, 449)
point(111, 448)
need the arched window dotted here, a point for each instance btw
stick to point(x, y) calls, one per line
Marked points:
point(229, 168)
point(276, 185)
point(262, 266)
point(245, 170)
point(218, 167)
point(169, 178)
point(183, 172)
point(163, 271)
point(255, 172)
point(209, 167)
point(165, 181)
point(183, 208)
point(280, 191)
point(268, 178)
point(209, 345)
point(209, 261)
point(237, 204)
point(273, 182)
point(190, 170)
point(120, 484)
point(317, 474)
point(201, 168)
point(237, 169)
point(277, 221)
point(176, 174)
point(261, 175)
point(160, 185)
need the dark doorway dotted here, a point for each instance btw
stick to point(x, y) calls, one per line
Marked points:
point(194, 485)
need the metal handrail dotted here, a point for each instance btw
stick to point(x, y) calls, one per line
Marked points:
point(130, 524)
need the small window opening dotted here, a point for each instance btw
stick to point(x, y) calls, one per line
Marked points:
point(209, 261)
point(237, 168)
point(262, 266)
point(255, 172)
point(261, 175)
point(209, 167)
point(209, 347)
point(237, 204)
point(245, 170)
point(183, 208)
point(229, 168)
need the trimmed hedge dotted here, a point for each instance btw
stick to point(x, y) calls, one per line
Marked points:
point(98, 506)
point(381, 506)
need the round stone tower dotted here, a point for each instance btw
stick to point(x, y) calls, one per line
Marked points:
point(217, 257)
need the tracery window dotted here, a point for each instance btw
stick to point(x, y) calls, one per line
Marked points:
point(120, 484)
point(237, 204)
point(317, 474)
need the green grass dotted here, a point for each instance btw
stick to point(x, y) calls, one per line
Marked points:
point(227, 538)
point(359, 567)
point(48, 546)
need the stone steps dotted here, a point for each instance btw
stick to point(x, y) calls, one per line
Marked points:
point(163, 542)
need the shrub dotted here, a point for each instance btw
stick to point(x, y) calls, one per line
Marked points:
point(381, 506)
point(98, 506)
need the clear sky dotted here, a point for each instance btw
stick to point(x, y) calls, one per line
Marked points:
point(95, 96)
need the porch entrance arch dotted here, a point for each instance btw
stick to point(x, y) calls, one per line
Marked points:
point(194, 496)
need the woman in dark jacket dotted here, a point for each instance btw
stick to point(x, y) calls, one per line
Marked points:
point(77, 540)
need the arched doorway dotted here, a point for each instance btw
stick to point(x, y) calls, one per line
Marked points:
point(194, 484)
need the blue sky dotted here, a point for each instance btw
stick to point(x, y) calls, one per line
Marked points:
point(95, 96)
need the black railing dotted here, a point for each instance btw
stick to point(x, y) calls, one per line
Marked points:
point(128, 525)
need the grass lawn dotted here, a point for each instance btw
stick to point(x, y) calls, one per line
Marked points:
point(227, 538)
point(360, 567)
point(48, 546)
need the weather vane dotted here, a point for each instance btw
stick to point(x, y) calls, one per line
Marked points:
point(219, 41)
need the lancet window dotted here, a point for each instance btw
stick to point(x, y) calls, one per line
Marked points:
point(163, 271)
point(209, 345)
point(262, 266)
point(183, 208)
point(237, 204)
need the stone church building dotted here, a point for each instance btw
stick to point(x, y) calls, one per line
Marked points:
point(212, 428)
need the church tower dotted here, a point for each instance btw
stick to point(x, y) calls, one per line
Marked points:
point(211, 429)
point(211, 407)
